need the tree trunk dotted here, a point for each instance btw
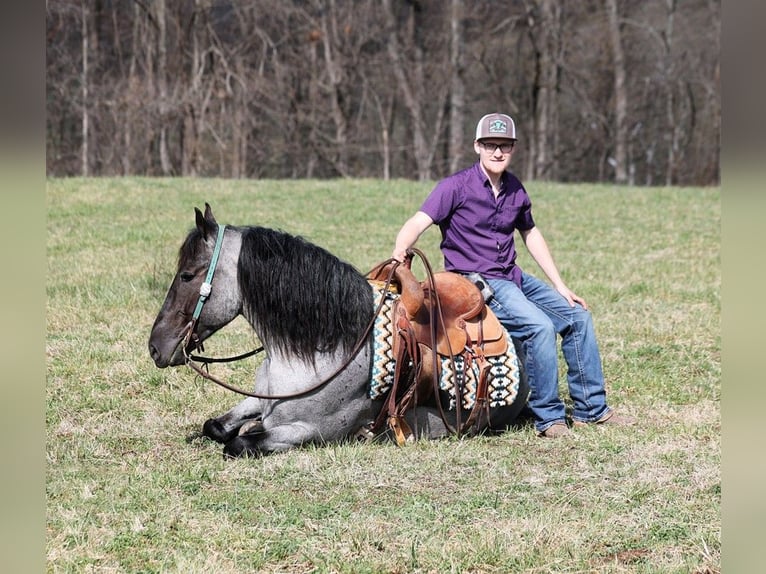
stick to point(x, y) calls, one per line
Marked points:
point(457, 91)
point(712, 172)
point(384, 116)
point(84, 167)
point(193, 108)
point(620, 95)
point(240, 127)
point(546, 109)
point(133, 84)
point(335, 75)
point(162, 82)
point(673, 125)
point(412, 90)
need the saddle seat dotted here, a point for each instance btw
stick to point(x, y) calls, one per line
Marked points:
point(468, 322)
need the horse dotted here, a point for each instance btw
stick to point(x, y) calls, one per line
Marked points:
point(311, 312)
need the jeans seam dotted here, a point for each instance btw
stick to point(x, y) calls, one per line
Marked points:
point(580, 368)
point(577, 351)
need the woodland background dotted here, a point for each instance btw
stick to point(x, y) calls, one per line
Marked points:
point(626, 91)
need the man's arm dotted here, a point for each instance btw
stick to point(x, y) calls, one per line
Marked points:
point(539, 251)
point(412, 229)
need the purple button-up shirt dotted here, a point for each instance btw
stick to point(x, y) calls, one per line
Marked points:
point(477, 229)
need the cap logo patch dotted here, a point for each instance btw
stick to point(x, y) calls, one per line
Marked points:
point(498, 127)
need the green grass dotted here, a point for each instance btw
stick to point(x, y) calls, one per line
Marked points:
point(131, 488)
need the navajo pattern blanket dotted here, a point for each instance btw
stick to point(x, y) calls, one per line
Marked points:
point(383, 360)
point(504, 370)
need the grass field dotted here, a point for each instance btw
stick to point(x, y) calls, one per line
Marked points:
point(130, 488)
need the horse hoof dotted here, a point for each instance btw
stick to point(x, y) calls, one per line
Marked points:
point(214, 430)
point(239, 447)
point(253, 426)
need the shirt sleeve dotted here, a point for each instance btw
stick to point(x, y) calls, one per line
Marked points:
point(524, 220)
point(442, 200)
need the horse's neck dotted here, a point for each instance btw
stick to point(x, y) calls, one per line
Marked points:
point(292, 371)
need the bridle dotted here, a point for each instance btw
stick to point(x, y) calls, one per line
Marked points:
point(204, 292)
point(191, 339)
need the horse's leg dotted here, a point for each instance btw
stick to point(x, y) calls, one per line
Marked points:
point(226, 426)
point(426, 422)
point(223, 428)
point(329, 414)
point(277, 439)
point(291, 424)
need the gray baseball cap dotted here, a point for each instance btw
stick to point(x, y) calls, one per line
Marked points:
point(497, 126)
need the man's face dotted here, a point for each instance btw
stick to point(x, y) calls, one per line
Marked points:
point(494, 153)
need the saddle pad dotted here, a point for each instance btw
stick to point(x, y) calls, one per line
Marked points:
point(503, 378)
point(383, 360)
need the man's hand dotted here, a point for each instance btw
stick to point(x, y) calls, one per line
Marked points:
point(400, 254)
point(571, 297)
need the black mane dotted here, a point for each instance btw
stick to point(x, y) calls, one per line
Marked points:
point(301, 298)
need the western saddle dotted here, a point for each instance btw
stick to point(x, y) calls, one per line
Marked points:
point(446, 316)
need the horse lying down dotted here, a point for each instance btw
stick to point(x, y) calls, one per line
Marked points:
point(313, 314)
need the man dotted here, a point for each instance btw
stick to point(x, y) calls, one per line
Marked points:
point(477, 210)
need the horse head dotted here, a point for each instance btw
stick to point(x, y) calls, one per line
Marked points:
point(189, 303)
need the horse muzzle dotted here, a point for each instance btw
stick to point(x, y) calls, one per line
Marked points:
point(166, 352)
point(163, 360)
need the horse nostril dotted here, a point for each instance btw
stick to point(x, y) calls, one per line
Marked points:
point(157, 357)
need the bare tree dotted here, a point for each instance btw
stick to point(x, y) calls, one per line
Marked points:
point(162, 84)
point(620, 159)
point(128, 98)
point(545, 31)
point(382, 88)
point(384, 108)
point(334, 69)
point(85, 80)
point(411, 79)
point(457, 87)
point(672, 84)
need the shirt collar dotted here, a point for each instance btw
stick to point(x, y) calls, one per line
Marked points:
point(484, 178)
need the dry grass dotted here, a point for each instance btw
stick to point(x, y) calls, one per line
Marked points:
point(131, 489)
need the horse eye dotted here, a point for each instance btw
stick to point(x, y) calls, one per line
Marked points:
point(186, 276)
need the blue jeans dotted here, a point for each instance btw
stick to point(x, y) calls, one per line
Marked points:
point(534, 315)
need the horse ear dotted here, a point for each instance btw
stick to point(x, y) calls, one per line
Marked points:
point(205, 223)
point(200, 220)
point(209, 217)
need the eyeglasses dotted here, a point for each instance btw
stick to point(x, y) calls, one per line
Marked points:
point(505, 147)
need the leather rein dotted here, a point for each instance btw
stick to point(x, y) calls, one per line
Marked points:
point(192, 337)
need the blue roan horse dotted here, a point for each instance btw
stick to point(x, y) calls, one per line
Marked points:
point(310, 310)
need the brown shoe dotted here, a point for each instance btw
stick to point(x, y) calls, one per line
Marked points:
point(610, 418)
point(556, 430)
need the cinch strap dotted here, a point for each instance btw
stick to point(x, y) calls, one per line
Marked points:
point(206, 287)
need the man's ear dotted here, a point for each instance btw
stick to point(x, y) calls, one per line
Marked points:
point(476, 147)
